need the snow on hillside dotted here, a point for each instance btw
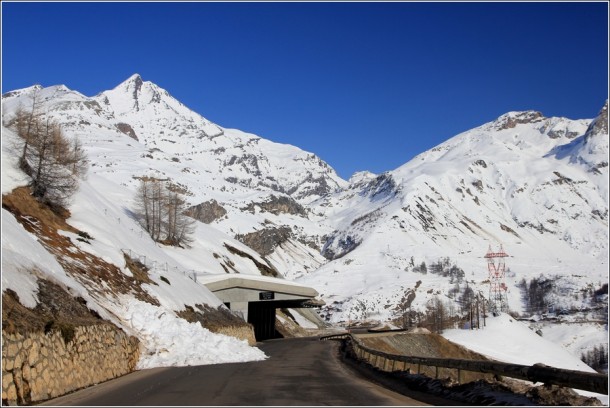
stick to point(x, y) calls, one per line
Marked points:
point(521, 181)
point(508, 340)
point(500, 184)
point(138, 129)
point(166, 339)
point(99, 209)
point(538, 186)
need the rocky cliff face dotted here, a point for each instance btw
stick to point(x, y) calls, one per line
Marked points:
point(512, 119)
point(207, 212)
point(265, 241)
point(278, 205)
point(599, 126)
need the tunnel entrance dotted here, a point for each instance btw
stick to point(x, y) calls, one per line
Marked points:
point(262, 316)
point(256, 298)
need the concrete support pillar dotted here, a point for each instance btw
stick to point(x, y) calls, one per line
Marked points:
point(241, 308)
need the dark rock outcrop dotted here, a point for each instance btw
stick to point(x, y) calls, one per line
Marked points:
point(265, 269)
point(380, 187)
point(206, 212)
point(265, 241)
point(342, 247)
point(599, 125)
point(127, 129)
point(279, 205)
point(510, 120)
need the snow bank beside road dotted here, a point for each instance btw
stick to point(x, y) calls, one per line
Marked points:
point(508, 340)
point(172, 341)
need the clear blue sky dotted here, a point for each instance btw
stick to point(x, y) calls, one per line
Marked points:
point(365, 86)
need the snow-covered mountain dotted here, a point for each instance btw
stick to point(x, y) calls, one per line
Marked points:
point(138, 129)
point(537, 186)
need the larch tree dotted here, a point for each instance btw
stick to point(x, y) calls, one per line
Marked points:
point(27, 124)
point(144, 209)
point(54, 162)
point(179, 226)
point(161, 211)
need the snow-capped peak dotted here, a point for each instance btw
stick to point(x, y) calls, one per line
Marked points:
point(22, 91)
point(133, 94)
point(360, 178)
point(141, 103)
point(134, 78)
point(511, 119)
point(133, 86)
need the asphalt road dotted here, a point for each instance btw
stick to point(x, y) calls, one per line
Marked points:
point(302, 371)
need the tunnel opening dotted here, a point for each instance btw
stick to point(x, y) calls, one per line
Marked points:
point(262, 316)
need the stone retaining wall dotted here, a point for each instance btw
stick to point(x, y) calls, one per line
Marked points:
point(39, 366)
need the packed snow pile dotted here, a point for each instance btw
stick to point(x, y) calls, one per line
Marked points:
point(505, 339)
point(171, 341)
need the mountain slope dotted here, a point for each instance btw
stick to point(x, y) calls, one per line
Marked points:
point(239, 158)
point(138, 129)
point(89, 256)
point(538, 186)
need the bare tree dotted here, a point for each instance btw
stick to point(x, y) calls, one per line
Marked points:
point(158, 196)
point(54, 162)
point(438, 315)
point(27, 124)
point(467, 299)
point(535, 294)
point(179, 226)
point(161, 212)
point(76, 159)
point(144, 209)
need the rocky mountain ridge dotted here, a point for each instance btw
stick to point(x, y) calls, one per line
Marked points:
point(536, 185)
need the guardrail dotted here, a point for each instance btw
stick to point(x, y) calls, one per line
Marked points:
point(581, 380)
point(336, 336)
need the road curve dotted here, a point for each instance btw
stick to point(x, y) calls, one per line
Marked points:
point(301, 371)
